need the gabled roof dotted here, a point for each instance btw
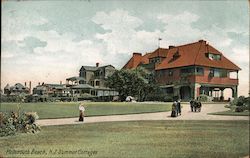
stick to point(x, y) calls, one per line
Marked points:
point(76, 78)
point(7, 87)
point(94, 68)
point(160, 52)
point(89, 68)
point(136, 60)
point(195, 54)
point(184, 55)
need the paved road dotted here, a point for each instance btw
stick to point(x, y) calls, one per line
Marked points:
point(186, 115)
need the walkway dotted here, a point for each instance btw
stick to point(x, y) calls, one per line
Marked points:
point(186, 115)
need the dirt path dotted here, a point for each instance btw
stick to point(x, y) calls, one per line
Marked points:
point(186, 115)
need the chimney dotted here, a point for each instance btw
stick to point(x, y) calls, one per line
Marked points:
point(38, 83)
point(60, 82)
point(24, 84)
point(171, 46)
point(30, 87)
point(97, 64)
point(202, 41)
point(136, 54)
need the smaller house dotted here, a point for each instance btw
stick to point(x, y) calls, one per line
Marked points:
point(52, 90)
point(16, 90)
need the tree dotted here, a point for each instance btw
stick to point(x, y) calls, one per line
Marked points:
point(131, 83)
point(127, 83)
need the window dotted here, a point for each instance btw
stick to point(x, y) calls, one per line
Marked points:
point(187, 71)
point(97, 73)
point(97, 83)
point(199, 71)
point(170, 73)
point(212, 56)
point(218, 73)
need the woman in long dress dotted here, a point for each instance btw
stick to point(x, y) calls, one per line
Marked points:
point(82, 109)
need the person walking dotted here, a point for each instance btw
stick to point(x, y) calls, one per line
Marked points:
point(179, 107)
point(174, 109)
point(81, 109)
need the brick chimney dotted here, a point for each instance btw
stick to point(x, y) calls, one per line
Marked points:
point(97, 64)
point(136, 54)
point(24, 84)
point(60, 82)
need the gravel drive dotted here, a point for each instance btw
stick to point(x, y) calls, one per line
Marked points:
point(186, 115)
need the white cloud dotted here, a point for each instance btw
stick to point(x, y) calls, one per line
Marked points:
point(6, 54)
point(116, 20)
point(240, 55)
point(121, 36)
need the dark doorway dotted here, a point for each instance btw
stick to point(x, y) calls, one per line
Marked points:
point(185, 93)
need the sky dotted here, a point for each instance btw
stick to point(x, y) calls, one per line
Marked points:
point(49, 41)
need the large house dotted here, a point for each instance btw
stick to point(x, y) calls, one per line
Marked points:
point(88, 85)
point(190, 70)
point(91, 80)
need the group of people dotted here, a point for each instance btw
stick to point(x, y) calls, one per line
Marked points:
point(195, 106)
point(176, 108)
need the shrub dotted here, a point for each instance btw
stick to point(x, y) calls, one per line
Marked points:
point(15, 122)
point(202, 98)
point(239, 109)
point(6, 125)
point(240, 104)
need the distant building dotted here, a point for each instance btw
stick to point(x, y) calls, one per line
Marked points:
point(52, 90)
point(91, 81)
point(190, 70)
point(16, 90)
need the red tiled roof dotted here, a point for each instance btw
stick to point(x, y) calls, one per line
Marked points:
point(136, 60)
point(195, 54)
point(189, 54)
point(160, 52)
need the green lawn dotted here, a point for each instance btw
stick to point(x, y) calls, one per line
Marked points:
point(191, 139)
point(231, 113)
point(70, 109)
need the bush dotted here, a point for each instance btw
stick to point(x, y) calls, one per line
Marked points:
point(6, 125)
point(240, 104)
point(202, 98)
point(239, 109)
point(15, 122)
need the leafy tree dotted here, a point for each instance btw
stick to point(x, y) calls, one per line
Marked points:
point(134, 82)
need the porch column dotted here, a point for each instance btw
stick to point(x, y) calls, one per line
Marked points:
point(221, 93)
point(177, 91)
point(234, 92)
point(196, 90)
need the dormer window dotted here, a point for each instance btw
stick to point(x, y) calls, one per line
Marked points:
point(212, 56)
point(176, 55)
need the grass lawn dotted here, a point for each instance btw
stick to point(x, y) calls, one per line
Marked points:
point(70, 109)
point(191, 139)
point(231, 113)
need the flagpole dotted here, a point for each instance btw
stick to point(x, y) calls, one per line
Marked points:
point(159, 39)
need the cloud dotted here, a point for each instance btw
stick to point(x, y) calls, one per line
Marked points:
point(30, 43)
point(122, 36)
point(6, 54)
point(116, 20)
point(240, 54)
